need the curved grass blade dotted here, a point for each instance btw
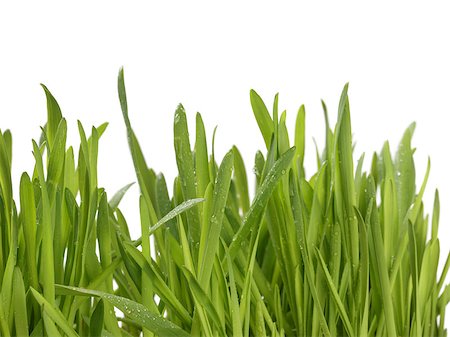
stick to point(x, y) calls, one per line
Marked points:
point(140, 166)
point(186, 205)
point(183, 207)
point(117, 198)
point(54, 116)
point(135, 311)
point(159, 284)
point(262, 117)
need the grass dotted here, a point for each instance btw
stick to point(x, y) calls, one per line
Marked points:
point(341, 252)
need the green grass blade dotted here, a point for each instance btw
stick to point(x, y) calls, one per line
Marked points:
point(428, 272)
point(415, 279)
point(246, 290)
point(159, 285)
point(201, 156)
point(20, 304)
point(146, 281)
point(5, 181)
point(50, 327)
point(220, 196)
point(28, 211)
point(297, 211)
point(262, 117)
point(240, 177)
point(335, 296)
point(444, 273)
point(57, 154)
point(261, 199)
point(135, 311)
point(233, 300)
point(435, 219)
point(344, 165)
point(204, 300)
point(54, 313)
point(300, 140)
point(54, 116)
point(96, 320)
point(406, 175)
point(48, 275)
point(383, 277)
point(117, 198)
point(183, 207)
point(140, 166)
point(185, 163)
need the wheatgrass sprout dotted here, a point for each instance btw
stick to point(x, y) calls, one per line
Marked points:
point(342, 252)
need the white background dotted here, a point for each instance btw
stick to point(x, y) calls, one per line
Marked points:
point(395, 56)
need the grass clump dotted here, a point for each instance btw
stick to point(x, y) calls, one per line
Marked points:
point(340, 253)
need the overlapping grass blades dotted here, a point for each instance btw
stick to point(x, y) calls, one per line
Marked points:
point(340, 252)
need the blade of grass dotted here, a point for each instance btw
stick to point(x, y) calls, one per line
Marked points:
point(117, 198)
point(262, 117)
point(204, 300)
point(19, 304)
point(335, 296)
point(304, 250)
point(382, 272)
point(185, 163)
point(96, 320)
point(160, 286)
point(300, 140)
point(54, 314)
point(211, 243)
point(54, 116)
point(201, 156)
point(47, 276)
point(260, 201)
point(136, 311)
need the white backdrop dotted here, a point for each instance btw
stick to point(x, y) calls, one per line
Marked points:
point(395, 56)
